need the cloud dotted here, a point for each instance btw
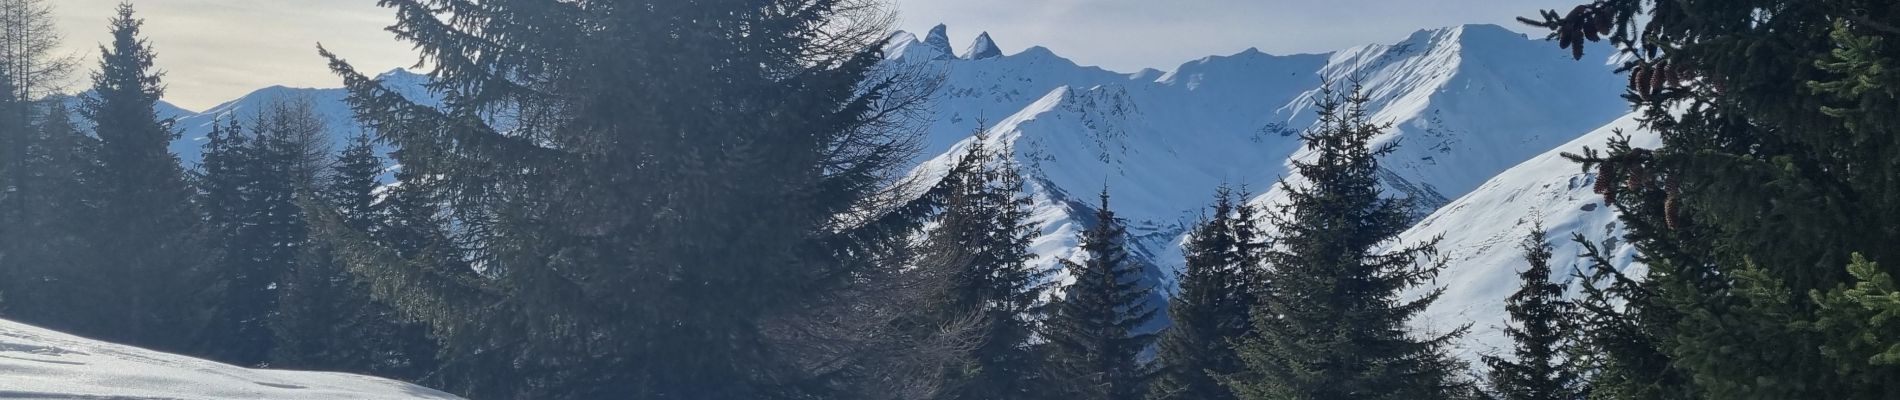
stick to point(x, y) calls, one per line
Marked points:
point(217, 50)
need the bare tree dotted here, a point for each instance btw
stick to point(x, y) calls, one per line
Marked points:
point(29, 49)
point(303, 132)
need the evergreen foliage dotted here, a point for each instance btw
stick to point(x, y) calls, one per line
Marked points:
point(1332, 324)
point(1542, 364)
point(37, 224)
point(686, 202)
point(1775, 169)
point(326, 318)
point(46, 247)
point(986, 222)
point(142, 289)
point(1095, 330)
point(1210, 314)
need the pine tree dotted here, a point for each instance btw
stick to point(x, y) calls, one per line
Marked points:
point(326, 318)
point(1542, 366)
point(257, 202)
point(1775, 170)
point(1210, 314)
point(32, 72)
point(1332, 324)
point(55, 193)
point(684, 203)
point(1094, 331)
point(146, 223)
point(986, 225)
point(13, 128)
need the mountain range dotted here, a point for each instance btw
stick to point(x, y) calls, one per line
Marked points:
point(1479, 115)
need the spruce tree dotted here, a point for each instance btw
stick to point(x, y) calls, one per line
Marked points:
point(1094, 330)
point(47, 246)
point(32, 71)
point(147, 225)
point(1210, 314)
point(264, 235)
point(986, 225)
point(1332, 323)
point(13, 128)
point(1774, 171)
point(326, 318)
point(1542, 365)
point(681, 197)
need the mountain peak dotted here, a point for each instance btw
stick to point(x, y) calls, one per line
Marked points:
point(939, 38)
point(982, 48)
point(1467, 33)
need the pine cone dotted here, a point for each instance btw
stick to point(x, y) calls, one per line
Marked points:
point(1605, 184)
point(1604, 20)
point(1671, 76)
point(1636, 180)
point(1638, 75)
point(1655, 87)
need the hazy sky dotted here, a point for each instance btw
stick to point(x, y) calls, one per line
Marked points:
point(217, 50)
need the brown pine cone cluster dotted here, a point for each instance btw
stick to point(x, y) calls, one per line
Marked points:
point(1586, 22)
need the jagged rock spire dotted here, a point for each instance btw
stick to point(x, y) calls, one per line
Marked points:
point(939, 38)
point(982, 48)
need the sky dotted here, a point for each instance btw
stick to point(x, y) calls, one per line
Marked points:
point(218, 50)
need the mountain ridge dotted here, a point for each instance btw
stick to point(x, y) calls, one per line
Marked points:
point(1467, 104)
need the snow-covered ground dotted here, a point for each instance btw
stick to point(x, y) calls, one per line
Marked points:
point(38, 363)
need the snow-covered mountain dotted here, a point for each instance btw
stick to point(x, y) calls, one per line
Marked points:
point(1466, 103)
point(1482, 232)
point(43, 364)
point(1469, 105)
point(328, 104)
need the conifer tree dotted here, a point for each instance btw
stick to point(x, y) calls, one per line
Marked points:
point(221, 179)
point(1542, 366)
point(147, 224)
point(264, 237)
point(685, 197)
point(32, 72)
point(1774, 171)
point(986, 221)
point(13, 130)
point(47, 246)
point(326, 318)
point(1094, 330)
point(1332, 324)
point(1210, 314)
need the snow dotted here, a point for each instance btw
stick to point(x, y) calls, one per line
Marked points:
point(40, 363)
point(328, 104)
point(982, 48)
point(1481, 233)
point(1466, 103)
point(1468, 106)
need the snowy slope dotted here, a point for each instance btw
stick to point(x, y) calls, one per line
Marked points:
point(328, 103)
point(43, 364)
point(1466, 103)
point(1482, 231)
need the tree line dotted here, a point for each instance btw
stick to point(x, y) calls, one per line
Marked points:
point(703, 200)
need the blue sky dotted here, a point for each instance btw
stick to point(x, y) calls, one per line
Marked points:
point(217, 50)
